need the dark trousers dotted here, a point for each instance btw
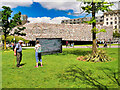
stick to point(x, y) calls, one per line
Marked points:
point(19, 58)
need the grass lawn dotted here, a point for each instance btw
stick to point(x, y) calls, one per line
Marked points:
point(59, 70)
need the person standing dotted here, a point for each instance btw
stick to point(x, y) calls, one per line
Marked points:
point(72, 45)
point(18, 52)
point(38, 54)
point(66, 44)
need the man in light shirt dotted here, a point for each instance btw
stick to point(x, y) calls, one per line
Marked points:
point(18, 52)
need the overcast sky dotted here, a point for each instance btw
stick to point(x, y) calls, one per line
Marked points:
point(50, 11)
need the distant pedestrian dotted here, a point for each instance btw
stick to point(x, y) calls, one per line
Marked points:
point(103, 41)
point(38, 54)
point(72, 44)
point(18, 52)
point(97, 43)
point(13, 46)
point(105, 45)
point(100, 41)
point(66, 44)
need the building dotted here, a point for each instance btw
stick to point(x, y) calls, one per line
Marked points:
point(24, 19)
point(112, 18)
point(0, 19)
point(99, 20)
point(77, 33)
point(0, 28)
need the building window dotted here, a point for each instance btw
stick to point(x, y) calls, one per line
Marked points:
point(115, 27)
point(111, 23)
point(115, 18)
point(111, 18)
point(106, 19)
point(62, 21)
point(111, 14)
point(106, 14)
point(115, 22)
point(107, 23)
point(101, 20)
point(74, 23)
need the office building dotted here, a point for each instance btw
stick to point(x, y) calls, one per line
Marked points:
point(99, 20)
point(112, 18)
point(24, 19)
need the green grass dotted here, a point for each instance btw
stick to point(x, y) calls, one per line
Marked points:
point(54, 73)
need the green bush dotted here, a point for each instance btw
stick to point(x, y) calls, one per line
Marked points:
point(10, 39)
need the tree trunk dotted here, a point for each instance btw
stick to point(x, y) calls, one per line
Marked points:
point(94, 46)
point(5, 43)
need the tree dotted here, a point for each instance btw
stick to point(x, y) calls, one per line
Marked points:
point(94, 7)
point(16, 21)
point(116, 34)
point(6, 13)
point(19, 30)
point(9, 24)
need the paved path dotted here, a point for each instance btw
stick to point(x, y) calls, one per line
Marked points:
point(80, 47)
point(90, 47)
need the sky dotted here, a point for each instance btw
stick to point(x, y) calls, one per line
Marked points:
point(49, 11)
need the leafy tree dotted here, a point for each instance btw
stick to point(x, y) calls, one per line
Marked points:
point(116, 34)
point(19, 30)
point(10, 39)
point(6, 14)
point(93, 7)
point(9, 24)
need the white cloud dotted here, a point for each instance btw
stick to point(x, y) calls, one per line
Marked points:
point(54, 0)
point(56, 20)
point(112, 0)
point(53, 4)
point(15, 3)
point(61, 5)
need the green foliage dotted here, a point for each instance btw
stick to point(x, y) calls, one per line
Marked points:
point(6, 14)
point(99, 6)
point(99, 56)
point(89, 1)
point(10, 39)
point(116, 34)
point(91, 21)
point(19, 30)
point(95, 30)
point(9, 24)
point(15, 20)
